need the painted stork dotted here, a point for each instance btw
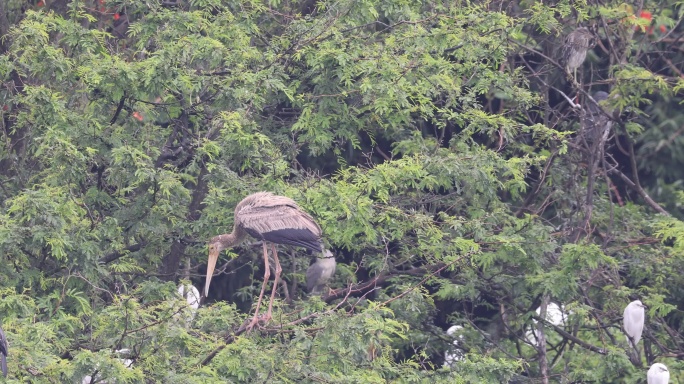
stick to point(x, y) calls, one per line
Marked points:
point(274, 220)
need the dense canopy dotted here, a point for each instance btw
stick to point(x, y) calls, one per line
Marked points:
point(462, 173)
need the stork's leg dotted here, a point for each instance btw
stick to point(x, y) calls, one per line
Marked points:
point(267, 274)
point(278, 271)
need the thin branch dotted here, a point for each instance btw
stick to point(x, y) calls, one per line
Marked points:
point(640, 191)
point(118, 254)
point(565, 334)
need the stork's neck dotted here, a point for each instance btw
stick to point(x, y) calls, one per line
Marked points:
point(232, 239)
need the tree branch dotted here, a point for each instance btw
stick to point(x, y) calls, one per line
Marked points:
point(565, 334)
point(118, 110)
point(118, 254)
point(640, 191)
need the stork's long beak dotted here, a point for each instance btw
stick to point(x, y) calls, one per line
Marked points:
point(211, 264)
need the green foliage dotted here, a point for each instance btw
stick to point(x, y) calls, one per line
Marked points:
point(441, 147)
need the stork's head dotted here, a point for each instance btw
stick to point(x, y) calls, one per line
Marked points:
point(215, 248)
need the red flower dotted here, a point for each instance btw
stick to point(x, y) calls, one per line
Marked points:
point(116, 16)
point(40, 3)
point(138, 116)
point(646, 15)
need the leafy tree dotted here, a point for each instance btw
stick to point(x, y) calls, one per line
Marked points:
point(460, 174)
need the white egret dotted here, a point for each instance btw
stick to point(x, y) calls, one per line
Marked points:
point(658, 374)
point(88, 379)
point(633, 321)
point(125, 361)
point(192, 297)
point(555, 314)
point(453, 354)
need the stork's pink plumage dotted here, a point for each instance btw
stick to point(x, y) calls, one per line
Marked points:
point(272, 219)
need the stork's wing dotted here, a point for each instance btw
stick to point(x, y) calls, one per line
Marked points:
point(278, 219)
point(273, 218)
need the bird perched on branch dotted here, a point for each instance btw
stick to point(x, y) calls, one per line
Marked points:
point(555, 314)
point(634, 316)
point(273, 220)
point(658, 374)
point(595, 122)
point(454, 353)
point(575, 47)
point(318, 274)
point(192, 298)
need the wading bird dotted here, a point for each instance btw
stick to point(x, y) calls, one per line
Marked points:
point(575, 47)
point(596, 126)
point(318, 274)
point(633, 321)
point(273, 220)
point(192, 297)
point(658, 374)
point(455, 353)
point(555, 314)
point(97, 377)
point(595, 122)
point(3, 352)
